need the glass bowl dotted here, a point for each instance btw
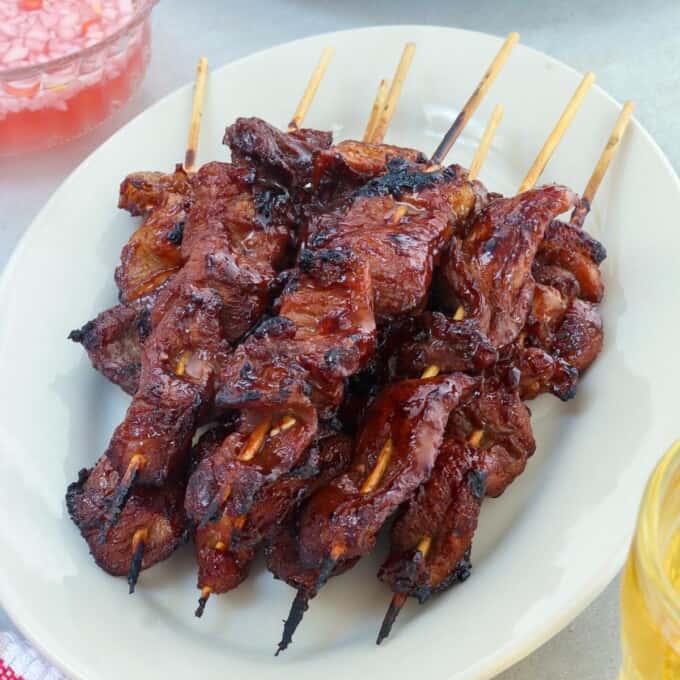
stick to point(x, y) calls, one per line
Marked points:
point(46, 104)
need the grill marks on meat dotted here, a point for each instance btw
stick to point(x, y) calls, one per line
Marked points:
point(348, 165)
point(222, 570)
point(291, 366)
point(158, 510)
point(445, 509)
point(489, 270)
point(399, 223)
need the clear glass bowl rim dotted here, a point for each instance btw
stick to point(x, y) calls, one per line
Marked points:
point(142, 11)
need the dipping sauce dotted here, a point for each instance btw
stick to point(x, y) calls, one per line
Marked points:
point(66, 65)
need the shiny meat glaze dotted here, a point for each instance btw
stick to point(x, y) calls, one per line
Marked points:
point(563, 334)
point(291, 366)
point(283, 157)
point(413, 414)
point(158, 510)
point(448, 344)
point(399, 223)
point(488, 271)
point(152, 253)
point(143, 192)
point(222, 570)
point(446, 507)
point(220, 291)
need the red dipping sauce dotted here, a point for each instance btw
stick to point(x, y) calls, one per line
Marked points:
point(66, 65)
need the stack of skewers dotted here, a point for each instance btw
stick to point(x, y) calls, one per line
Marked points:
point(320, 339)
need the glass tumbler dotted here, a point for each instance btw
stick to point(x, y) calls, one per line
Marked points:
point(650, 592)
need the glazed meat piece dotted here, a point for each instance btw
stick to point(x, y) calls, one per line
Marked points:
point(564, 333)
point(152, 254)
point(113, 340)
point(487, 443)
point(290, 368)
point(142, 192)
point(446, 343)
point(284, 157)
point(395, 452)
point(573, 250)
point(507, 441)
point(488, 271)
point(222, 288)
point(579, 339)
point(348, 165)
point(399, 223)
point(156, 513)
point(403, 431)
point(431, 538)
point(540, 372)
point(225, 550)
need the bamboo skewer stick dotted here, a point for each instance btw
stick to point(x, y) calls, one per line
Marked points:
point(376, 110)
point(384, 120)
point(486, 141)
point(475, 99)
point(311, 89)
point(139, 541)
point(196, 114)
point(555, 137)
point(610, 149)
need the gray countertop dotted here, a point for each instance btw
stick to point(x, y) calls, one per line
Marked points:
point(633, 47)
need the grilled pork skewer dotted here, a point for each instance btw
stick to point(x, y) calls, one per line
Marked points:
point(420, 183)
point(315, 298)
point(153, 524)
point(209, 180)
point(432, 538)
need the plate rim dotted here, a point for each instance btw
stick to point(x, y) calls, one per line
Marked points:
point(506, 655)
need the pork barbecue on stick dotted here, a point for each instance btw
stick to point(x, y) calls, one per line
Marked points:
point(213, 299)
point(339, 522)
point(308, 328)
point(432, 537)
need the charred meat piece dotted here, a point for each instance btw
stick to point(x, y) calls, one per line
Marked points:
point(152, 254)
point(221, 290)
point(157, 512)
point(488, 271)
point(225, 549)
point(448, 344)
point(348, 165)
point(431, 538)
point(573, 250)
point(564, 333)
point(113, 340)
point(507, 441)
point(142, 192)
point(579, 339)
point(399, 223)
point(283, 157)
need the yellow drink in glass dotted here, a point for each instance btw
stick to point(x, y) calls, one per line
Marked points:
point(650, 592)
